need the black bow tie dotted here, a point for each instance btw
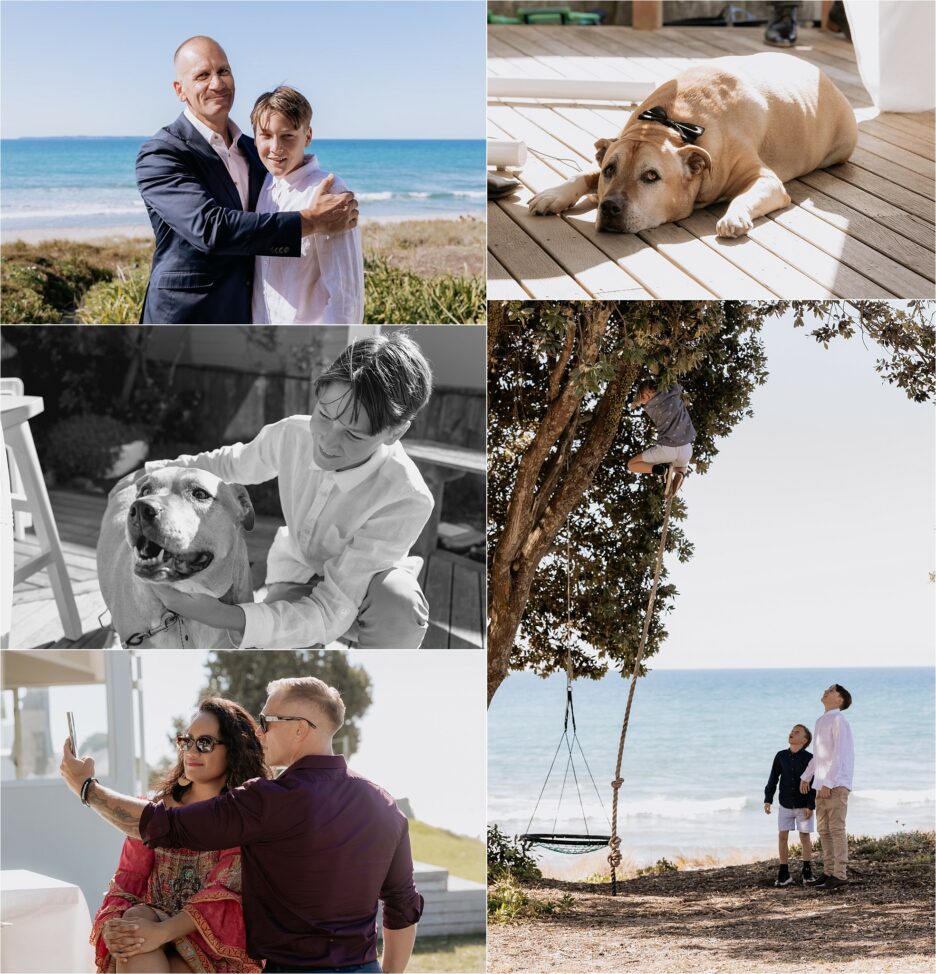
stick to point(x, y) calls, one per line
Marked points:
point(687, 130)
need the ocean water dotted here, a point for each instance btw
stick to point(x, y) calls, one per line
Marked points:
point(89, 182)
point(697, 756)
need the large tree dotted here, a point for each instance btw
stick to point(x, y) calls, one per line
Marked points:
point(244, 676)
point(565, 517)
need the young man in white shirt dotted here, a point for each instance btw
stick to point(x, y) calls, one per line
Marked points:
point(326, 284)
point(354, 505)
point(831, 770)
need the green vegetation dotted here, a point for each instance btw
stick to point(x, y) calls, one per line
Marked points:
point(396, 296)
point(417, 271)
point(86, 445)
point(510, 867)
point(908, 848)
point(659, 868)
point(459, 854)
point(440, 955)
point(115, 302)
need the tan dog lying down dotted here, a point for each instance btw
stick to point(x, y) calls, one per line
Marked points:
point(765, 119)
point(178, 527)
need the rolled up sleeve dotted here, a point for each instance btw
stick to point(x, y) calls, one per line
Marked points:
point(402, 902)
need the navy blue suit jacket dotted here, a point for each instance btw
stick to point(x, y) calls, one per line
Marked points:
point(205, 242)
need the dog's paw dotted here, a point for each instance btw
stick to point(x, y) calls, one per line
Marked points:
point(734, 224)
point(553, 200)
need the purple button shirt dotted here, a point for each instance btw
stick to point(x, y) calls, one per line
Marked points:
point(319, 846)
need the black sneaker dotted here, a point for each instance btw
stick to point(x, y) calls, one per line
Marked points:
point(817, 883)
point(807, 874)
point(783, 877)
point(781, 32)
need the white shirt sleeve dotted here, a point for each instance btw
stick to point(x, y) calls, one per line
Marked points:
point(240, 463)
point(341, 270)
point(843, 760)
point(810, 769)
point(329, 610)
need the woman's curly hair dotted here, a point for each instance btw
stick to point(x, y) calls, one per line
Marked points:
point(238, 730)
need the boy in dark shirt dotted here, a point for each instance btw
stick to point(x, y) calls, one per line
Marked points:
point(796, 810)
point(674, 429)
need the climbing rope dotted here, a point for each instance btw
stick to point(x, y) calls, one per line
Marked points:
point(614, 843)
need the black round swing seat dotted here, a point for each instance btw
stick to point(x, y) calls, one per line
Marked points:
point(567, 842)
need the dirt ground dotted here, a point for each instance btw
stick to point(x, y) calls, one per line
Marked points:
point(729, 919)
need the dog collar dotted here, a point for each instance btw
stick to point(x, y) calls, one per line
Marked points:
point(170, 619)
point(687, 130)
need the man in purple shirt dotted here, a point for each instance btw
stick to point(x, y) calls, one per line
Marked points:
point(319, 844)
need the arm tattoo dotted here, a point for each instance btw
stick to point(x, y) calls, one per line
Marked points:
point(119, 810)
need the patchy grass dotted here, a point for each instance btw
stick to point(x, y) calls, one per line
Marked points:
point(429, 247)
point(509, 902)
point(440, 955)
point(460, 855)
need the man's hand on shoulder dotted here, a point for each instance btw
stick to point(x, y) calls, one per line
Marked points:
point(329, 212)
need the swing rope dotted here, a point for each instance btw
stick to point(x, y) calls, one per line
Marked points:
point(614, 843)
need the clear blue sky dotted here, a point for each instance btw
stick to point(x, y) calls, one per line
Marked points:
point(382, 70)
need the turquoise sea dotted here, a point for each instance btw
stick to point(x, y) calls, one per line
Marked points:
point(697, 756)
point(89, 182)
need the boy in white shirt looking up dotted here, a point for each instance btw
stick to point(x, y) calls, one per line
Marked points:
point(354, 505)
point(831, 769)
point(326, 284)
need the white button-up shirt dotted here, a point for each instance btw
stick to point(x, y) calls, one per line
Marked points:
point(234, 160)
point(344, 526)
point(325, 286)
point(833, 760)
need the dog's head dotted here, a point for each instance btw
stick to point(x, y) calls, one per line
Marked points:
point(647, 178)
point(183, 525)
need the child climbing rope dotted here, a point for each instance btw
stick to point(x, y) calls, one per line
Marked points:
point(674, 429)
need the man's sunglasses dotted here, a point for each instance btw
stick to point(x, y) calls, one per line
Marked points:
point(264, 721)
point(203, 744)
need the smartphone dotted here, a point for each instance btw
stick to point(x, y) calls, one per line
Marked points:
point(72, 733)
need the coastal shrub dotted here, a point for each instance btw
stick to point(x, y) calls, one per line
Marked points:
point(38, 287)
point(509, 902)
point(115, 302)
point(86, 445)
point(511, 856)
point(393, 295)
point(659, 868)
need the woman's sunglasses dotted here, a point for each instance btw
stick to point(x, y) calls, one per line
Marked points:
point(203, 744)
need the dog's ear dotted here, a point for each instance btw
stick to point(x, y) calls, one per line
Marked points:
point(243, 502)
point(601, 147)
point(695, 159)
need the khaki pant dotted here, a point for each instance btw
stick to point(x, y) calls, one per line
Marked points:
point(830, 821)
point(393, 615)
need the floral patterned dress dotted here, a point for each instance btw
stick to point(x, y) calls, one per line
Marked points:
point(206, 885)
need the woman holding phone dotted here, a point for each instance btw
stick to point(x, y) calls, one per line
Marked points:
point(177, 909)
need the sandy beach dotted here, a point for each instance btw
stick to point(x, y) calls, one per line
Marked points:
point(731, 919)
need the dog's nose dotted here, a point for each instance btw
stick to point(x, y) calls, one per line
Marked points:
point(611, 206)
point(142, 511)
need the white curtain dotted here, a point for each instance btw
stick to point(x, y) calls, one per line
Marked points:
point(894, 43)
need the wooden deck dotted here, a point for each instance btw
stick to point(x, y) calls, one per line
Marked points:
point(863, 229)
point(454, 586)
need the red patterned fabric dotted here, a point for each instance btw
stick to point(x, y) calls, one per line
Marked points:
point(207, 885)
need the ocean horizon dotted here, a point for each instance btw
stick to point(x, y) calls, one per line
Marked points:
point(697, 756)
point(88, 181)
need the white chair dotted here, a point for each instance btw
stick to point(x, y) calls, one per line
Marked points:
point(21, 519)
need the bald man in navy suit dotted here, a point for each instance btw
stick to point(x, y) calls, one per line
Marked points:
point(200, 178)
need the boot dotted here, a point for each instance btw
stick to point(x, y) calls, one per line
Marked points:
point(781, 31)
